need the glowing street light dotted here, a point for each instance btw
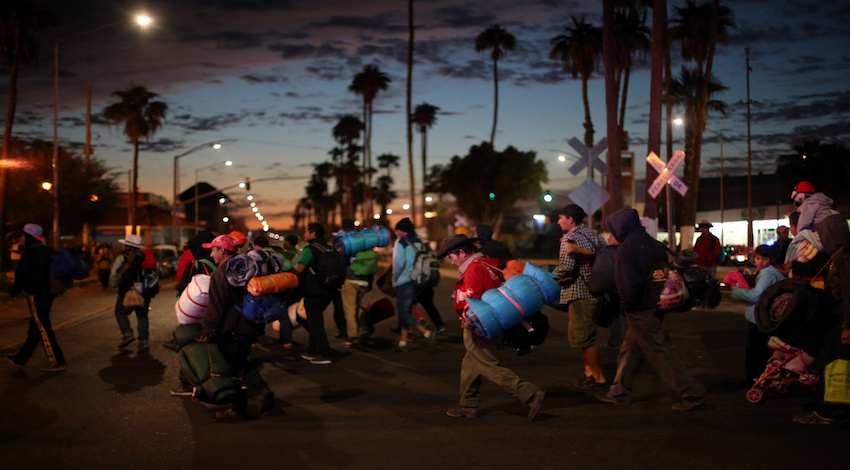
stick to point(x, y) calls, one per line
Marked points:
point(176, 234)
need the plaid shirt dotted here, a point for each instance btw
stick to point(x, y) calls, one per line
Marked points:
point(589, 240)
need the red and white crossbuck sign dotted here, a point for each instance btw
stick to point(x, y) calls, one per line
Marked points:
point(665, 173)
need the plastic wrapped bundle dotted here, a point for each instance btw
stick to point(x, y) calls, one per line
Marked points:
point(68, 266)
point(192, 305)
point(504, 307)
point(546, 280)
point(355, 242)
point(272, 283)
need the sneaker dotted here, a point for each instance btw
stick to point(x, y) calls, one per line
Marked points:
point(587, 384)
point(11, 359)
point(182, 391)
point(401, 348)
point(462, 411)
point(687, 405)
point(125, 340)
point(265, 400)
point(308, 356)
point(534, 404)
point(347, 344)
point(813, 418)
point(603, 396)
point(229, 415)
point(321, 360)
point(143, 344)
point(56, 368)
point(441, 328)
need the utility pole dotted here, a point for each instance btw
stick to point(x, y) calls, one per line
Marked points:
point(749, 161)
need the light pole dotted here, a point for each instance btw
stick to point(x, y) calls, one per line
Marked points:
point(227, 163)
point(142, 21)
point(176, 233)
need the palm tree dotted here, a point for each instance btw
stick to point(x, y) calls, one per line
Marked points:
point(387, 161)
point(384, 195)
point(21, 22)
point(407, 111)
point(580, 49)
point(424, 117)
point(367, 84)
point(141, 117)
point(699, 28)
point(499, 42)
point(685, 93)
point(631, 38)
point(656, 99)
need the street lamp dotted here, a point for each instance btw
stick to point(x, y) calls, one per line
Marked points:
point(176, 234)
point(143, 21)
point(227, 163)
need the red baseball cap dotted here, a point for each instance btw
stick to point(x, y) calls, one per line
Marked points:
point(222, 241)
point(240, 237)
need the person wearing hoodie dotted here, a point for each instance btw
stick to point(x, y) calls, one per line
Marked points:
point(478, 273)
point(835, 236)
point(32, 275)
point(490, 247)
point(635, 258)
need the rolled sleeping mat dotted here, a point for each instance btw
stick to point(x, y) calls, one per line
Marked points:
point(272, 283)
point(546, 281)
point(485, 319)
point(66, 265)
point(503, 308)
point(527, 292)
point(192, 305)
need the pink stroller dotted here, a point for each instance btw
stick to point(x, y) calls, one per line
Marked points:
point(788, 366)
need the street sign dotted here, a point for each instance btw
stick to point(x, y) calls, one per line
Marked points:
point(665, 173)
point(590, 196)
point(589, 156)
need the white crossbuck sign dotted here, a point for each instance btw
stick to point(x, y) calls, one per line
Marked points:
point(665, 173)
point(589, 156)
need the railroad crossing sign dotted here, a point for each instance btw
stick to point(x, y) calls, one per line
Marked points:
point(665, 173)
point(590, 196)
point(589, 156)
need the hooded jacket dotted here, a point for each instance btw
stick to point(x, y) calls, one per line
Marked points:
point(835, 235)
point(33, 272)
point(637, 253)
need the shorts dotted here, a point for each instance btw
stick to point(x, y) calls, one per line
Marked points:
point(582, 330)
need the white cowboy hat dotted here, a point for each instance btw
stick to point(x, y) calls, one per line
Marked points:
point(132, 240)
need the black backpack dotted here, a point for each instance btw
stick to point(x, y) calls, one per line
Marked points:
point(330, 266)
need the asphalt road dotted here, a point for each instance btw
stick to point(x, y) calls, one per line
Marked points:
point(376, 408)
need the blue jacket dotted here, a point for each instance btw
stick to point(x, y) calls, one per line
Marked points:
point(404, 252)
point(764, 279)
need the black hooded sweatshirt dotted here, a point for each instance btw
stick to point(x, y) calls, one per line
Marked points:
point(637, 254)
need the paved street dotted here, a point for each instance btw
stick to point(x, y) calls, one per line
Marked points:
point(376, 408)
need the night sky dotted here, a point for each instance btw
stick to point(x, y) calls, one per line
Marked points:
point(274, 74)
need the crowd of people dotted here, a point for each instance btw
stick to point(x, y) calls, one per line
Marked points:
point(817, 251)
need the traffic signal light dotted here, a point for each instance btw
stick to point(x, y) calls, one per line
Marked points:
point(492, 195)
point(547, 197)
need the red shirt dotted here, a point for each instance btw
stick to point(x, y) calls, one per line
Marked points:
point(480, 276)
point(707, 254)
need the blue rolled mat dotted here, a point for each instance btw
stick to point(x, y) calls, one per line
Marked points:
point(487, 323)
point(546, 281)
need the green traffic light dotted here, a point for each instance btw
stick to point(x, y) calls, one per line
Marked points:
point(547, 197)
point(492, 196)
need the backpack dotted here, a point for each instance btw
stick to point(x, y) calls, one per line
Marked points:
point(330, 266)
point(530, 332)
point(426, 268)
point(365, 263)
point(147, 283)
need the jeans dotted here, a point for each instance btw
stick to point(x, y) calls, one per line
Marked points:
point(122, 315)
point(407, 293)
point(40, 331)
point(645, 338)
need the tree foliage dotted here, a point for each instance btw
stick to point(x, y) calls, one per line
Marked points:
point(498, 41)
point(511, 175)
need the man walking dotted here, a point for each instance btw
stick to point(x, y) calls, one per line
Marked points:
point(708, 248)
point(132, 249)
point(578, 246)
point(635, 258)
point(476, 274)
point(33, 276)
point(317, 296)
point(404, 254)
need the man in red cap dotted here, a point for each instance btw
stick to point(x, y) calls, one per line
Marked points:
point(233, 333)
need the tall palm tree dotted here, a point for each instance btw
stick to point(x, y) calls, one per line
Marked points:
point(141, 117)
point(498, 42)
point(368, 83)
point(407, 111)
point(347, 131)
point(424, 117)
point(388, 161)
point(21, 23)
point(699, 28)
point(656, 98)
point(580, 49)
point(631, 39)
point(685, 93)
